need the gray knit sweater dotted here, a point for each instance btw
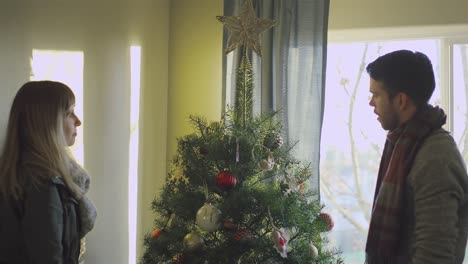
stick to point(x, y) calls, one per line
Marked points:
point(436, 211)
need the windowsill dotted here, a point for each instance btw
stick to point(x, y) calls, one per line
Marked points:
point(397, 33)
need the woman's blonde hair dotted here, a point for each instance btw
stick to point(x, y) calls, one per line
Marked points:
point(35, 129)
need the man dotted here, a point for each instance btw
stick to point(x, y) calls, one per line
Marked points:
point(420, 209)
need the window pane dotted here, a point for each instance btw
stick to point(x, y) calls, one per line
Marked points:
point(460, 98)
point(460, 101)
point(66, 67)
point(352, 139)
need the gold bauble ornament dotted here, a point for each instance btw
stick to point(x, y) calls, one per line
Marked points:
point(193, 242)
point(313, 250)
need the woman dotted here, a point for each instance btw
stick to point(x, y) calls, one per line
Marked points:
point(44, 211)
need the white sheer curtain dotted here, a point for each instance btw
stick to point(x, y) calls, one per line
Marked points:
point(290, 75)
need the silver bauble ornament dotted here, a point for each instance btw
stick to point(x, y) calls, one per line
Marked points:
point(208, 218)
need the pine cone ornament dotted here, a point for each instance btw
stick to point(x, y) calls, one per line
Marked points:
point(203, 150)
point(178, 259)
point(273, 141)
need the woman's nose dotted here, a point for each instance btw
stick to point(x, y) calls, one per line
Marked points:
point(77, 121)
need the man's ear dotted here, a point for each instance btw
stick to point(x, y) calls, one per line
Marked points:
point(403, 101)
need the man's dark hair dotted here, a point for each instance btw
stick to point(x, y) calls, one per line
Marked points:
point(405, 71)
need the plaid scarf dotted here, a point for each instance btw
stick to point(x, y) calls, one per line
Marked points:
point(401, 147)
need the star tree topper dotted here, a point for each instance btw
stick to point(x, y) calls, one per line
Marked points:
point(245, 29)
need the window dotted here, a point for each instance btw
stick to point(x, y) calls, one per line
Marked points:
point(66, 67)
point(352, 138)
point(135, 70)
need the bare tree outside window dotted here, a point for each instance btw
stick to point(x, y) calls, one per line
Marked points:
point(460, 98)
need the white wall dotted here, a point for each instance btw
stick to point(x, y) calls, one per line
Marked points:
point(104, 30)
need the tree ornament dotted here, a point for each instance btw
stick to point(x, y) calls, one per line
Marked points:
point(193, 242)
point(243, 235)
point(156, 233)
point(245, 29)
point(302, 187)
point(225, 180)
point(178, 259)
point(170, 221)
point(293, 184)
point(281, 238)
point(313, 250)
point(273, 141)
point(326, 218)
point(203, 150)
point(237, 150)
point(208, 217)
point(176, 176)
point(229, 225)
point(267, 164)
point(278, 143)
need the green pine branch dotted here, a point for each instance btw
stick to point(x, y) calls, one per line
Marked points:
point(244, 92)
point(260, 202)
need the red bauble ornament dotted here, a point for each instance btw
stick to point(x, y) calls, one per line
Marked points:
point(225, 180)
point(229, 225)
point(328, 220)
point(243, 235)
point(156, 233)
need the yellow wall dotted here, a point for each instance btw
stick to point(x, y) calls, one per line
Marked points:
point(153, 111)
point(195, 57)
point(181, 64)
point(351, 14)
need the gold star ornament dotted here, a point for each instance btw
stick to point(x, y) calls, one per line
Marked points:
point(245, 29)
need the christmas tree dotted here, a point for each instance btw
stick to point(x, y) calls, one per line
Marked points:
point(234, 193)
